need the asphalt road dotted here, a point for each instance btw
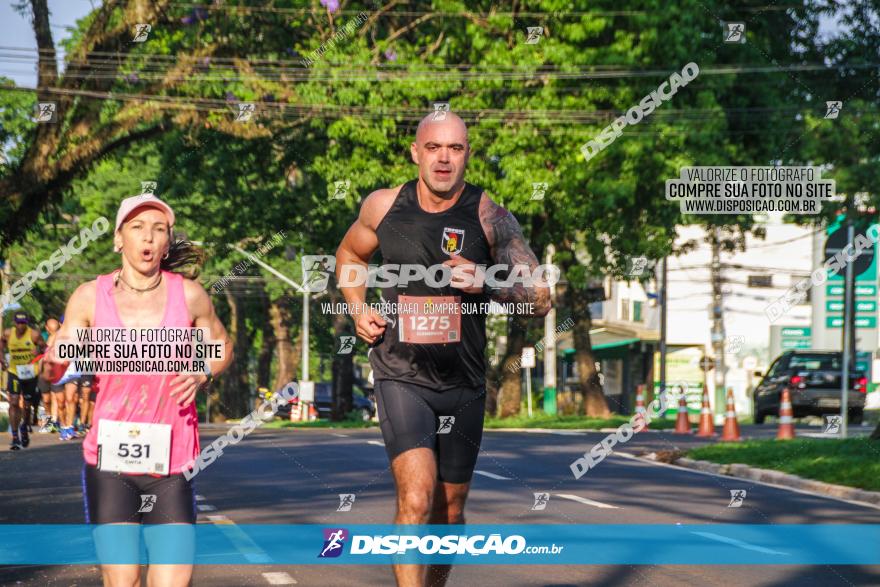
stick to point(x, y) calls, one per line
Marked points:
point(294, 477)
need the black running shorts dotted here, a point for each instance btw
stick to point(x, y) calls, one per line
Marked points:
point(115, 498)
point(27, 387)
point(448, 422)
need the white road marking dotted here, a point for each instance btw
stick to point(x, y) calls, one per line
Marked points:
point(200, 497)
point(279, 579)
point(240, 540)
point(204, 507)
point(738, 543)
point(376, 442)
point(340, 436)
point(586, 501)
point(491, 475)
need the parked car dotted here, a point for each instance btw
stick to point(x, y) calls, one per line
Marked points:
point(813, 380)
point(361, 401)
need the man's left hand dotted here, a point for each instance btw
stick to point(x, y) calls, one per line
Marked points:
point(467, 274)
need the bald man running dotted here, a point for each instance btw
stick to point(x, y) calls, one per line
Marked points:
point(430, 370)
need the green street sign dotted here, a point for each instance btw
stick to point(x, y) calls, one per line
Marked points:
point(795, 343)
point(862, 289)
point(861, 321)
point(861, 306)
point(865, 265)
point(795, 331)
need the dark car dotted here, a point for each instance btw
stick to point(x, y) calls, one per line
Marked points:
point(813, 379)
point(361, 403)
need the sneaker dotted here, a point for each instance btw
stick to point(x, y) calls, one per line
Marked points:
point(63, 434)
point(44, 429)
point(16, 444)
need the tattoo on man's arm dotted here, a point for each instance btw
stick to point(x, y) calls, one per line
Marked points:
point(510, 248)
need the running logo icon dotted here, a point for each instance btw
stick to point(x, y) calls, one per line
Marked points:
point(245, 112)
point(541, 500)
point(141, 32)
point(538, 190)
point(534, 34)
point(340, 189)
point(735, 343)
point(638, 266)
point(45, 112)
point(440, 110)
point(147, 503)
point(346, 500)
point(832, 425)
point(334, 542)
point(832, 109)
point(446, 423)
point(735, 32)
point(316, 271)
point(346, 345)
point(737, 496)
point(453, 241)
point(148, 188)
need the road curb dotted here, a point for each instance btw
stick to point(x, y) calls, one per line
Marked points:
point(557, 430)
point(784, 479)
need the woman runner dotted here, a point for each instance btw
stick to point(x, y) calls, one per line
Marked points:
point(151, 290)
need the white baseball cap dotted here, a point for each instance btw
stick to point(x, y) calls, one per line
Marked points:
point(132, 203)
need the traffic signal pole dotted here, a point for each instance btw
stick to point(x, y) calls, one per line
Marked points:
point(849, 292)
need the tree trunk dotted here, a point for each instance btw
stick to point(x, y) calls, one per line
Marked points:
point(510, 390)
point(288, 358)
point(264, 359)
point(234, 390)
point(493, 376)
point(343, 371)
point(594, 402)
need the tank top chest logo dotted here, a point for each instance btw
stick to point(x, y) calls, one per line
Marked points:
point(453, 241)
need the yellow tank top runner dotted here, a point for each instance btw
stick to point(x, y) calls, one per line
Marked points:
point(21, 350)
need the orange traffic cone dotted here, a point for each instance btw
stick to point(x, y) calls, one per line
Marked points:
point(786, 424)
point(313, 413)
point(707, 426)
point(682, 425)
point(294, 412)
point(640, 405)
point(731, 426)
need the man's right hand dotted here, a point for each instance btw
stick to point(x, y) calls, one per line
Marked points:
point(369, 326)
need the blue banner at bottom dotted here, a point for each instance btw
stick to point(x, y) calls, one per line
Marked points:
point(358, 544)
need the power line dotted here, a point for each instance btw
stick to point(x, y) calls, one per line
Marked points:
point(280, 110)
point(469, 14)
point(394, 70)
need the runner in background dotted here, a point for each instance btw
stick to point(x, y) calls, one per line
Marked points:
point(53, 395)
point(23, 344)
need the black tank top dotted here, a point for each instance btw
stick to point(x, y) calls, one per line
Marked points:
point(408, 234)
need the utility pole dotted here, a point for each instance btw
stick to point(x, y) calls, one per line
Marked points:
point(550, 344)
point(718, 324)
point(849, 292)
point(663, 283)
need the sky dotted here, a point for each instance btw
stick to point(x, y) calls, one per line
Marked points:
point(16, 31)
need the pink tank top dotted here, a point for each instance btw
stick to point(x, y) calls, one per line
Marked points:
point(144, 398)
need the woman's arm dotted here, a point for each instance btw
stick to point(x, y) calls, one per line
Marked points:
point(185, 387)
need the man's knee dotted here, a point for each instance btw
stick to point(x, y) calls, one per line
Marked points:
point(415, 502)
